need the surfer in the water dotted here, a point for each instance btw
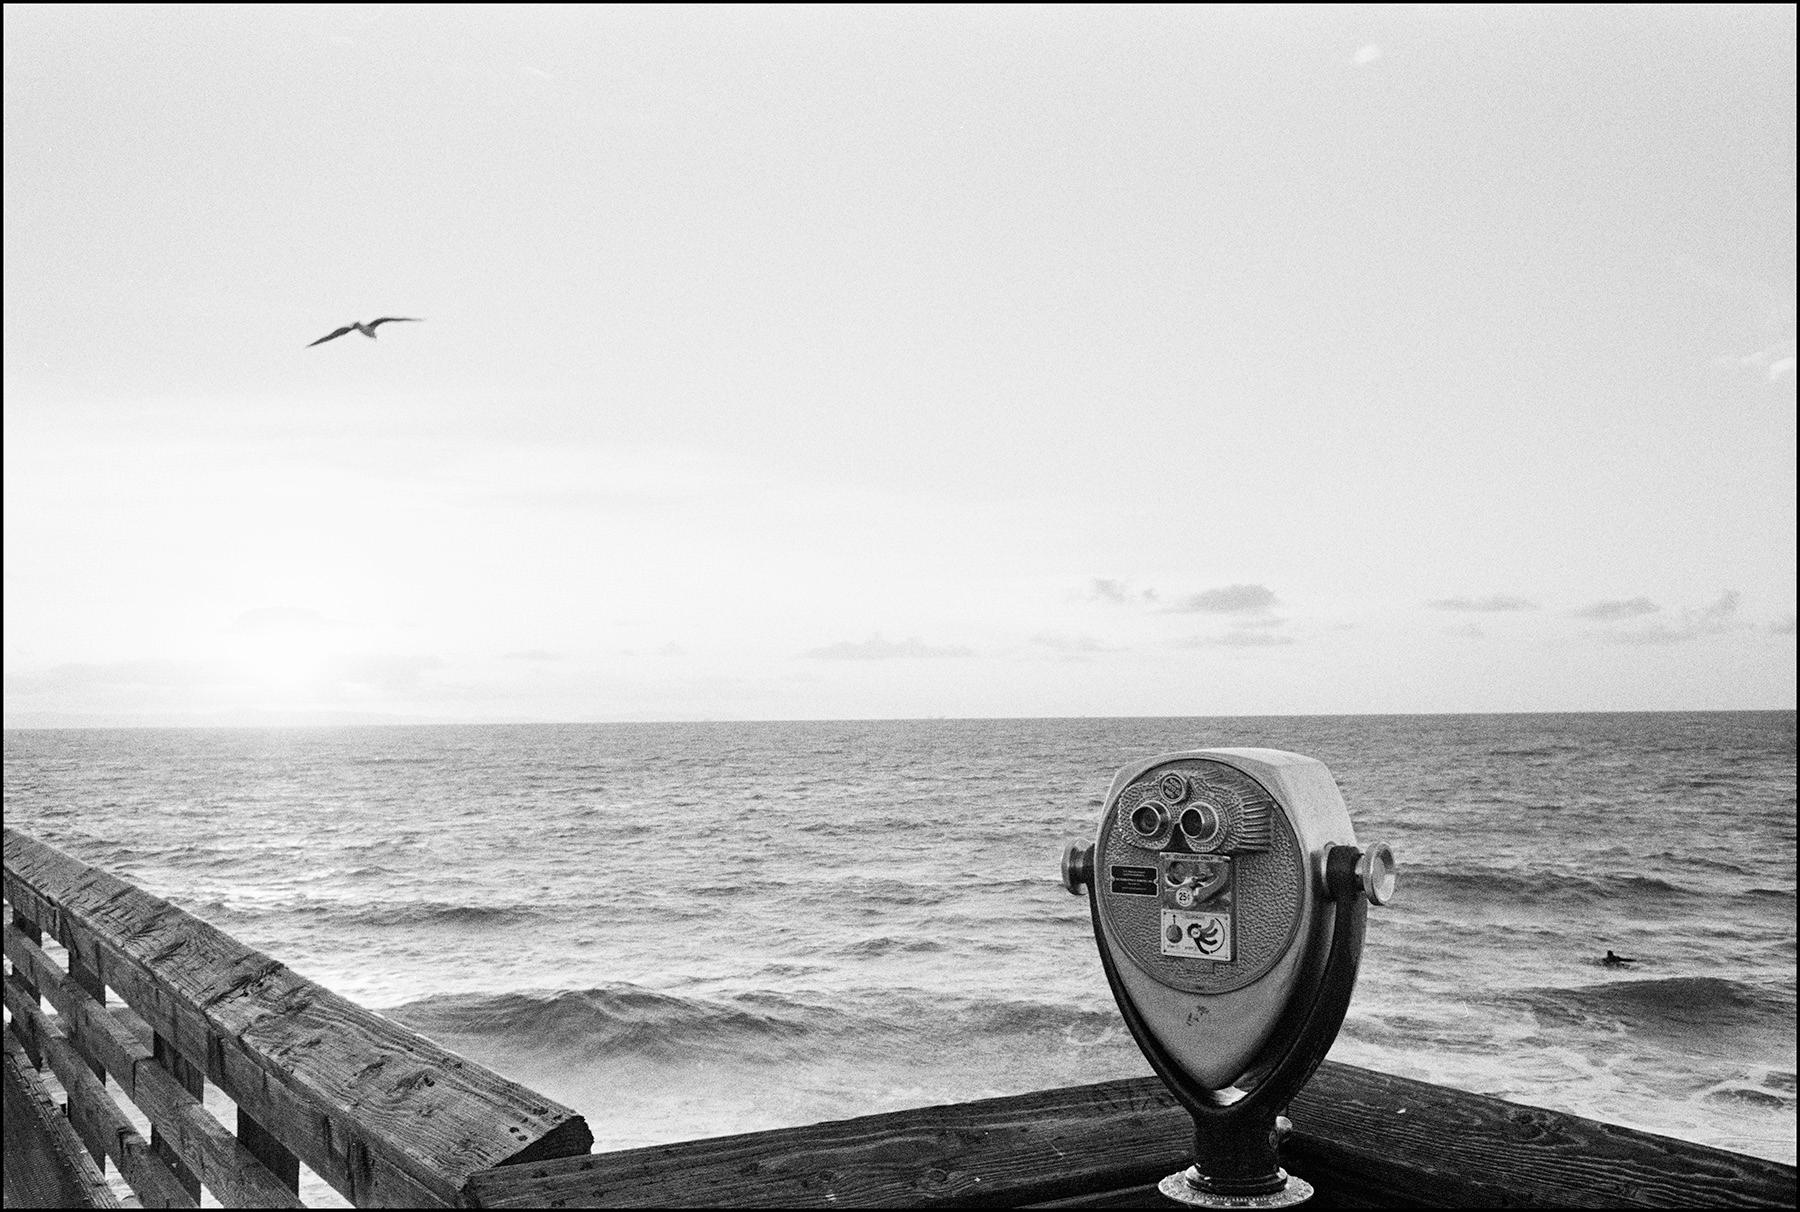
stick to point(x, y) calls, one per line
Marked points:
point(1617, 961)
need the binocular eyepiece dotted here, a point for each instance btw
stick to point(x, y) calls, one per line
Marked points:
point(1229, 896)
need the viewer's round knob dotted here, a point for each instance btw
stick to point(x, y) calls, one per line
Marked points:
point(1077, 867)
point(1375, 873)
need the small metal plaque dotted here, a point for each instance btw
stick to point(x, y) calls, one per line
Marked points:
point(1196, 935)
point(1134, 881)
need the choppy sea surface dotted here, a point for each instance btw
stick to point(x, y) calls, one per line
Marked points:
point(685, 930)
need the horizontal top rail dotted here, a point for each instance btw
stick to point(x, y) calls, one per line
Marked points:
point(1363, 1139)
point(383, 1114)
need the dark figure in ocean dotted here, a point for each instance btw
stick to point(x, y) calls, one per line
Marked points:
point(1617, 961)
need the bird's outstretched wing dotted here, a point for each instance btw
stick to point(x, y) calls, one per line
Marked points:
point(387, 319)
point(330, 336)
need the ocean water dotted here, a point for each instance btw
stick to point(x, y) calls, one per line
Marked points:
point(684, 930)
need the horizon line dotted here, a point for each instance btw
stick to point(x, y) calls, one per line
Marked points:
point(406, 722)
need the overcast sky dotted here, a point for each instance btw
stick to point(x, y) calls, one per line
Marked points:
point(816, 362)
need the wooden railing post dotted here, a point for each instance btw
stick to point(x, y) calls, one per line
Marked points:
point(88, 979)
point(269, 1151)
point(29, 929)
point(194, 1083)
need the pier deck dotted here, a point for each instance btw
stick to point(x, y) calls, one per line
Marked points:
point(389, 1118)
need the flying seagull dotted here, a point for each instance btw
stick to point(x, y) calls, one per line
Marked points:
point(367, 330)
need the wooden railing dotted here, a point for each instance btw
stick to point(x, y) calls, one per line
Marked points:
point(1363, 1140)
point(383, 1115)
point(389, 1118)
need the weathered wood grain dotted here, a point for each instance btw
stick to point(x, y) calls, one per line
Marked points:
point(196, 1148)
point(1362, 1138)
point(265, 1147)
point(997, 1152)
point(106, 1041)
point(97, 1120)
point(1370, 1131)
point(208, 1150)
point(386, 1116)
point(47, 1166)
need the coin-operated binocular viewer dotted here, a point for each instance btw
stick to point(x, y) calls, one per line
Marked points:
point(1229, 898)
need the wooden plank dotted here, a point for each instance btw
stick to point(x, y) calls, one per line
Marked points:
point(1143, 1196)
point(381, 1113)
point(29, 929)
point(117, 1050)
point(92, 1112)
point(195, 1146)
point(1362, 1138)
point(1370, 1132)
point(1056, 1143)
point(47, 1166)
point(207, 1147)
